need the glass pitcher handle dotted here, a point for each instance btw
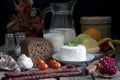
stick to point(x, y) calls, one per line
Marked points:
point(45, 11)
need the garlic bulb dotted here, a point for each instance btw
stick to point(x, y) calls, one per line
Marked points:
point(25, 62)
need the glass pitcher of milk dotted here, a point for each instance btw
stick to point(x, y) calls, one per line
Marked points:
point(62, 19)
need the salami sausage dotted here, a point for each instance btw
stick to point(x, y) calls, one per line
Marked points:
point(39, 72)
point(36, 74)
point(92, 67)
point(42, 76)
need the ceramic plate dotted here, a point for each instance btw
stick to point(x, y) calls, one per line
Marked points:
point(89, 58)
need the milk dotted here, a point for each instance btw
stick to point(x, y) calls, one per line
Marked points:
point(56, 39)
point(69, 34)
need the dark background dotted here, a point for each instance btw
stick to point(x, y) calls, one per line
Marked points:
point(82, 8)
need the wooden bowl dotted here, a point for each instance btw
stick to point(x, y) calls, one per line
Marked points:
point(107, 76)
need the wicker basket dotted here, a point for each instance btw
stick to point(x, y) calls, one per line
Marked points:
point(102, 23)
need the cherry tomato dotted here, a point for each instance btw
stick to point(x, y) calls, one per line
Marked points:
point(43, 66)
point(51, 62)
point(40, 61)
point(56, 65)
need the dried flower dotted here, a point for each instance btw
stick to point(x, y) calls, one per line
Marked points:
point(26, 20)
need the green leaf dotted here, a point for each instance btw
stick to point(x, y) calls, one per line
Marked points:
point(72, 44)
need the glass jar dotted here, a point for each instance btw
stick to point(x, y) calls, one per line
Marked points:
point(117, 56)
point(19, 36)
point(9, 44)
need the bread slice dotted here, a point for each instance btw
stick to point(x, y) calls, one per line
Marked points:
point(37, 48)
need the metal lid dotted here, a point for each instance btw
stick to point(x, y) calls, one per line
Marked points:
point(95, 20)
point(9, 35)
point(20, 33)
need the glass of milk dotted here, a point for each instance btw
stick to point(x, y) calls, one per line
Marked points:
point(56, 38)
point(69, 34)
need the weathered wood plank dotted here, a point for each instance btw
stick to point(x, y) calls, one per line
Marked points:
point(48, 79)
point(116, 77)
point(1, 74)
point(76, 78)
point(97, 77)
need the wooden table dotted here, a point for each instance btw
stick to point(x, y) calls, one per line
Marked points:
point(94, 76)
point(81, 77)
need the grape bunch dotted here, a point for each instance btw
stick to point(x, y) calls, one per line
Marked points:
point(107, 66)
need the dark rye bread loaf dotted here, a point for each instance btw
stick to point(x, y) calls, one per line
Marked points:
point(37, 48)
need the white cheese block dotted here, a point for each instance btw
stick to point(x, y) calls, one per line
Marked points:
point(73, 53)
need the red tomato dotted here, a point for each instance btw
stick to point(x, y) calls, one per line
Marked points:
point(43, 66)
point(56, 65)
point(51, 62)
point(40, 61)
